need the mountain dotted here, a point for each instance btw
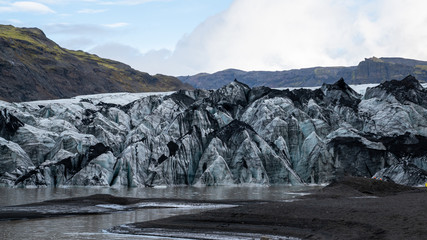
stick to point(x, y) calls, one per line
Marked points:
point(233, 135)
point(33, 67)
point(371, 70)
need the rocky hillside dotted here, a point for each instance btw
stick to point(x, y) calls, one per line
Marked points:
point(33, 67)
point(233, 135)
point(372, 70)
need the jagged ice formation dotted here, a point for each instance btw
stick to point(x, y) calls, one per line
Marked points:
point(233, 135)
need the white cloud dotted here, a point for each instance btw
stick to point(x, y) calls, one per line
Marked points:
point(116, 25)
point(286, 34)
point(15, 21)
point(91, 11)
point(154, 61)
point(76, 29)
point(272, 35)
point(25, 6)
point(83, 36)
point(54, 1)
point(77, 43)
point(105, 2)
point(129, 2)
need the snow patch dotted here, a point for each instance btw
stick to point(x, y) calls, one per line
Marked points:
point(121, 98)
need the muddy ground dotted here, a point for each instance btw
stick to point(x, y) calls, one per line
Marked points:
point(353, 208)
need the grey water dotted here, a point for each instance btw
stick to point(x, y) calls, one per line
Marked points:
point(94, 226)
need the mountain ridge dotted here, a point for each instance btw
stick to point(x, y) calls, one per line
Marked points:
point(371, 70)
point(33, 67)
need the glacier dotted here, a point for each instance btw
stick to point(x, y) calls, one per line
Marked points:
point(232, 135)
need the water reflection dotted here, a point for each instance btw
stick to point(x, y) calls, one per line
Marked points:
point(81, 227)
point(15, 196)
point(91, 226)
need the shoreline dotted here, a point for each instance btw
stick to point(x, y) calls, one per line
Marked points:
point(107, 204)
point(352, 208)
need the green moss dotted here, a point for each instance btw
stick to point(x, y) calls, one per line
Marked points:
point(375, 59)
point(322, 71)
point(421, 67)
point(92, 57)
point(40, 54)
point(7, 31)
point(32, 39)
point(108, 66)
point(353, 75)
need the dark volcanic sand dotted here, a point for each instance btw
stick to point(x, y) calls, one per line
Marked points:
point(354, 208)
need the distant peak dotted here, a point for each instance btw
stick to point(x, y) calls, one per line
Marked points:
point(16, 32)
point(374, 59)
point(57, 72)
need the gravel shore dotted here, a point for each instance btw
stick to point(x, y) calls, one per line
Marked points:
point(354, 208)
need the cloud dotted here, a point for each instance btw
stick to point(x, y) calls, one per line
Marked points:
point(104, 2)
point(91, 11)
point(55, 1)
point(154, 61)
point(24, 6)
point(78, 43)
point(76, 29)
point(272, 35)
point(83, 36)
point(129, 2)
point(287, 34)
point(15, 21)
point(116, 25)
point(284, 34)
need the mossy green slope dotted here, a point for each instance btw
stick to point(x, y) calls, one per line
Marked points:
point(33, 67)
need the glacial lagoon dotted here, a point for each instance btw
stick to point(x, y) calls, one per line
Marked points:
point(94, 226)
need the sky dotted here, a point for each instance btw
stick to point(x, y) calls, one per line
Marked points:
point(186, 37)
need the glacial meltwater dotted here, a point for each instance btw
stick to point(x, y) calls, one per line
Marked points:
point(94, 226)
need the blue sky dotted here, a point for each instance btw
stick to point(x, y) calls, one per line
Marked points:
point(83, 24)
point(181, 37)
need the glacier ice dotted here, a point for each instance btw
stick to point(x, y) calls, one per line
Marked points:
point(233, 135)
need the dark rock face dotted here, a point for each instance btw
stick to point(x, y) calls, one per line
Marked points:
point(33, 67)
point(406, 90)
point(371, 70)
point(234, 135)
point(9, 124)
point(340, 93)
